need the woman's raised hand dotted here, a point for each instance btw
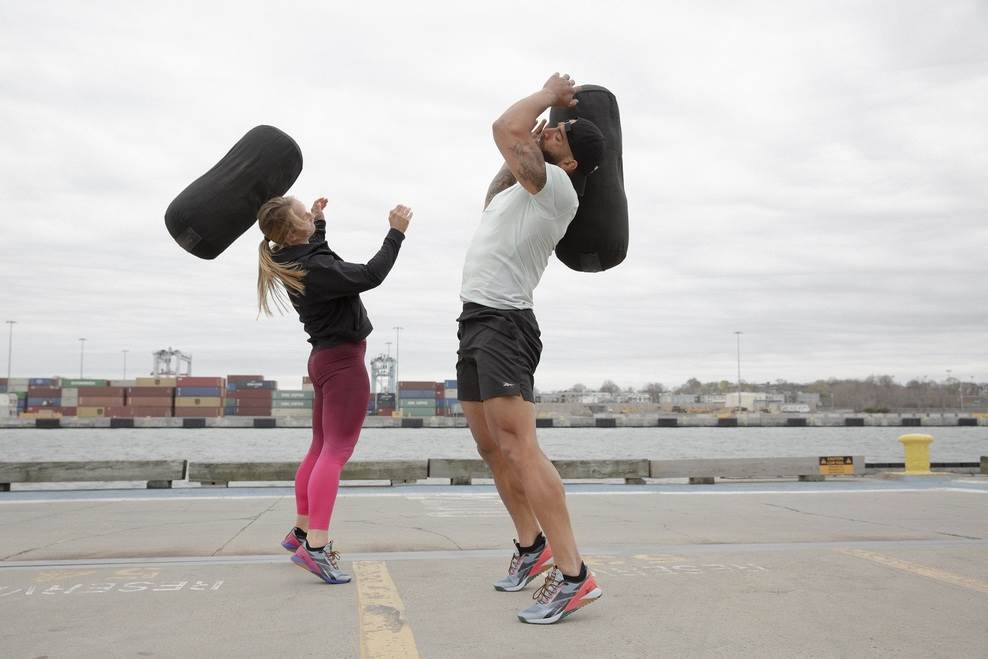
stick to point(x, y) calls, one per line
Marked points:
point(317, 207)
point(399, 217)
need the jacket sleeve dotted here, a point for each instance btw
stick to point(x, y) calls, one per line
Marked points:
point(319, 236)
point(329, 278)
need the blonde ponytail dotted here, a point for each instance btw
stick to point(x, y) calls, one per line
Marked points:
point(277, 221)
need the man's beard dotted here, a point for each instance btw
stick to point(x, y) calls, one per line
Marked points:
point(549, 158)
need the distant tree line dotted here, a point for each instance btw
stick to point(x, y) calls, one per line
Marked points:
point(873, 393)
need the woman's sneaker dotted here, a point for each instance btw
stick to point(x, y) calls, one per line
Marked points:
point(524, 567)
point(558, 598)
point(325, 564)
point(292, 541)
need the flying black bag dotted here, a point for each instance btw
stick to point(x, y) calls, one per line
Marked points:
point(221, 204)
point(597, 238)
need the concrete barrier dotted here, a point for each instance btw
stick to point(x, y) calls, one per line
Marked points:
point(223, 473)
point(157, 473)
point(746, 420)
point(705, 471)
point(984, 464)
point(463, 471)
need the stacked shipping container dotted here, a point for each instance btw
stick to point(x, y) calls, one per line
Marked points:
point(150, 397)
point(187, 396)
point(249, 395)
point(449, 405)
point(44, 397)
point(296, 403)
point(199, 397)
point(418, 399)
point(16, 389)
point(382, 404)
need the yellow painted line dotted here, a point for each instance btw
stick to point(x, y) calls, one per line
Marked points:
point(384, 630)
point(921, 570)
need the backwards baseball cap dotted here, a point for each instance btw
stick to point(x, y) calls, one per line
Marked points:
point(587, 144)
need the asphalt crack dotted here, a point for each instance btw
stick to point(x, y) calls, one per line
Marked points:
point(865, 521)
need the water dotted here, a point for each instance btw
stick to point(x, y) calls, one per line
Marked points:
point(877, 444)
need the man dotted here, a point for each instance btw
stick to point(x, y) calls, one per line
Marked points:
point(529, 205)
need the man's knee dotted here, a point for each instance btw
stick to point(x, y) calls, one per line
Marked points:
point(517, 449)
point(488, 450)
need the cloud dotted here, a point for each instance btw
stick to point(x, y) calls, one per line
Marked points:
point(812, 175)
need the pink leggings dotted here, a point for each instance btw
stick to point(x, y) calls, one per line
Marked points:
point(342, 390)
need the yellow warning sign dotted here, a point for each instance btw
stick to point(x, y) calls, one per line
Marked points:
point(835, 465)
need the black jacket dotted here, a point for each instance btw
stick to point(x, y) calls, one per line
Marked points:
point(330, 309)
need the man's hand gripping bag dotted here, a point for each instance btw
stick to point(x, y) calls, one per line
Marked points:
point(597, 238)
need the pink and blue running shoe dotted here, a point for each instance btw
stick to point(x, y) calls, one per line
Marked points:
point(292, 541)
point(324, 564)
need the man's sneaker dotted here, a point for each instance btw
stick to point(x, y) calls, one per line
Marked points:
point(324, 564)
point(558, 598)
point(292, 541)
point(525, 567)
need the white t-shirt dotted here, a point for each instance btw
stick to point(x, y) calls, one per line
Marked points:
point(510, 249)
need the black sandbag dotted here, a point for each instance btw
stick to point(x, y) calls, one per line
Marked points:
point(221, 204)
point(597, 238)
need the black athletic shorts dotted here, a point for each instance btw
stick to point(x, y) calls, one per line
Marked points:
point(499, 351)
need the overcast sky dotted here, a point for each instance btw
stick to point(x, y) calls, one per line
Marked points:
point(812, 174)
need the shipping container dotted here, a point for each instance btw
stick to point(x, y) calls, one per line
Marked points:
point(190, 381)
point(251, 394)
point(415, 384)
point(151, 401)
point(287, 394)
point(83, 411)
point(76, 382)
point(250, 412)
point(427, 394)
point(99, 401)
point(151, 392)
point(102, 391)
point(298, 412)
point(156, 382)
point(44, 402)
point(417, 402)
point(41, 382)
point(286, 404)
point(204, 401)
point(35, 391)
point(237, 379)
point(126, 384)
point(141, 411)
point(450, 384)
point(257, 384)
point(198, 392)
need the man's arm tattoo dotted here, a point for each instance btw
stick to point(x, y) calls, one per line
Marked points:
point(531, 164)
point(503, 180)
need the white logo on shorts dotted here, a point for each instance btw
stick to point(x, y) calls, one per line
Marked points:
point(506, 385)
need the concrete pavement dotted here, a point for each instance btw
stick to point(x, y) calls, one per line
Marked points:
point(863, 567)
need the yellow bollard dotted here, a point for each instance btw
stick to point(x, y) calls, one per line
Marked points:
point(917, 453)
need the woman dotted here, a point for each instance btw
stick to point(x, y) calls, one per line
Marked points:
point(325, 291)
